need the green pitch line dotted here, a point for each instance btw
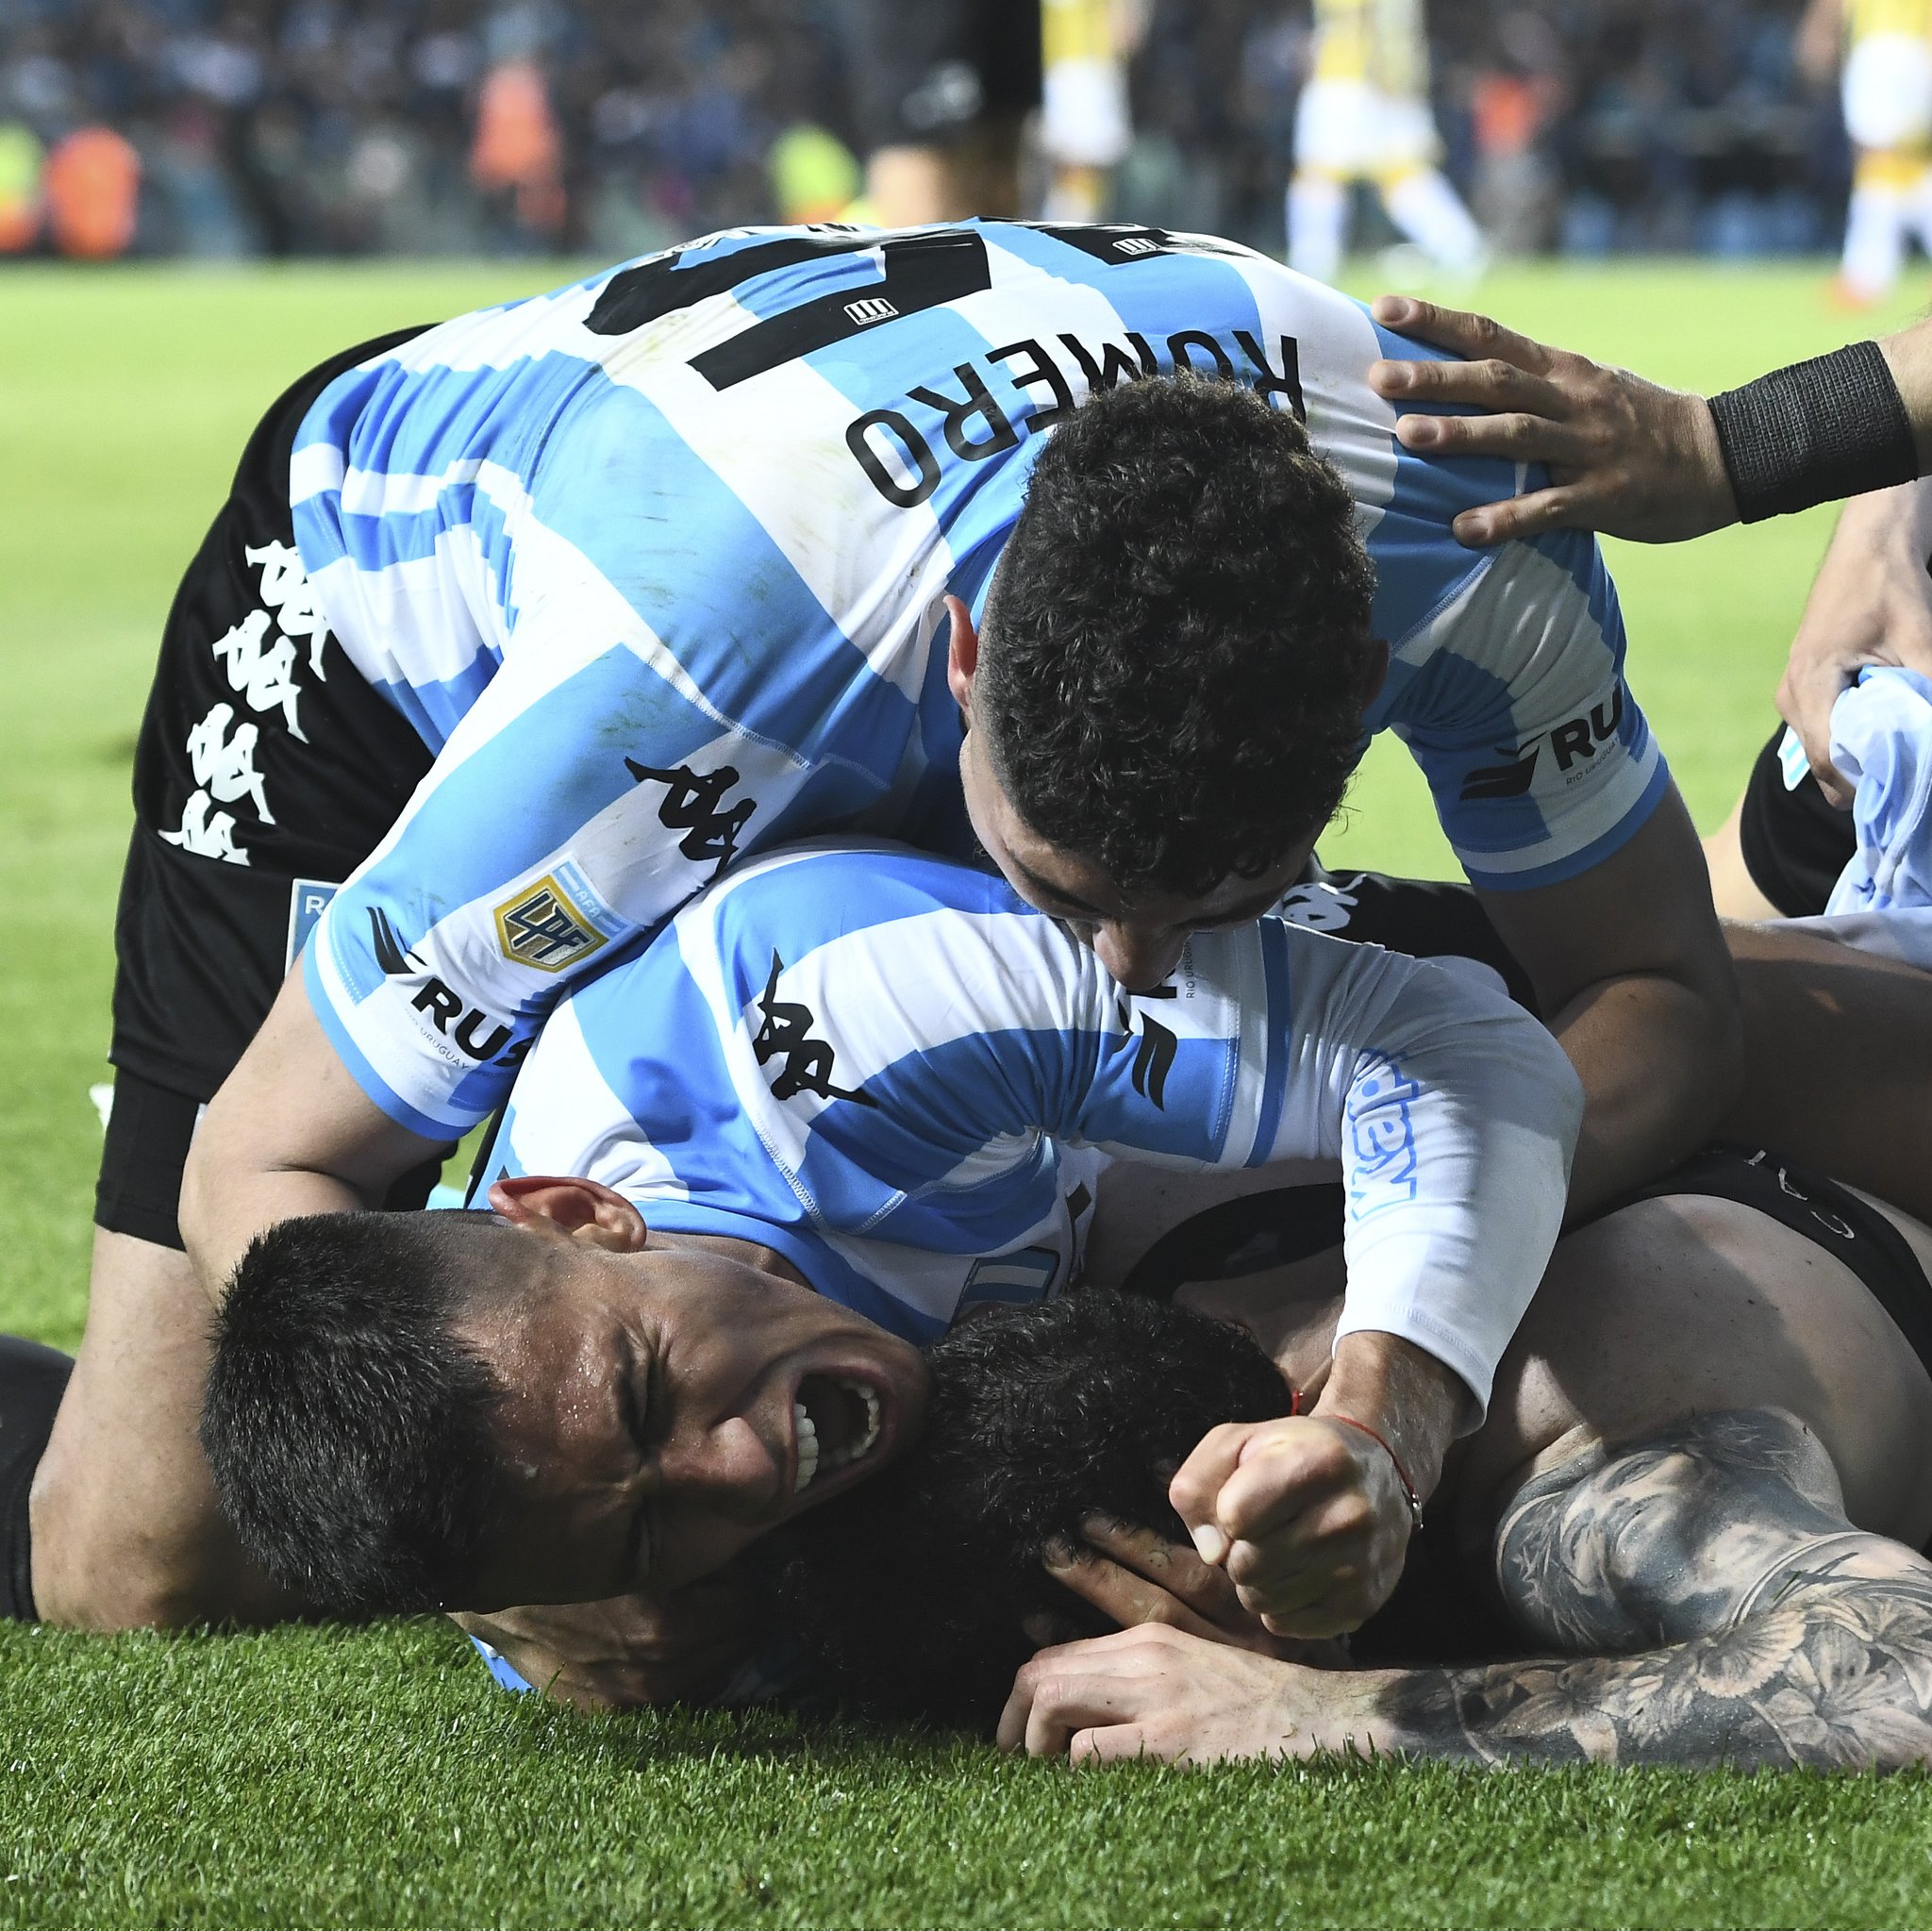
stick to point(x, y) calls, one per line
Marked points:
point(375, 1778)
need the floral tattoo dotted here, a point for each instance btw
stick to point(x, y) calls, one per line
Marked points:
point(1715, 1605)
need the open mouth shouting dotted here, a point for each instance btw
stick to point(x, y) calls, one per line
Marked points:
point(836, 1422)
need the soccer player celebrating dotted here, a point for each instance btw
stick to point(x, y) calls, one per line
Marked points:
point(529, 625)
point(883, 1077)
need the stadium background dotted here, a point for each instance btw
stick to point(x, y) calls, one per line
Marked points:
point(374, 1777)
point(285, 127)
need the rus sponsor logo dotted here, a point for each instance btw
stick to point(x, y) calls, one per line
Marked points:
point(1574, 741)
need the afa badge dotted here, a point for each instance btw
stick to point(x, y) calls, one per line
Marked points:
point(543, 928)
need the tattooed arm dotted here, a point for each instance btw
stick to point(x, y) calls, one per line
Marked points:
point(1712, 1601)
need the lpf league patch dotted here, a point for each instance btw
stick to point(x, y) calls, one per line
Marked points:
point(545, 926)
point(307, 899)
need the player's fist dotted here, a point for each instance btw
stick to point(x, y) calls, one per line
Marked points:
point(1308, 1516)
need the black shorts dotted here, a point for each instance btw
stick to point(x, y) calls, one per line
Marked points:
point(267, 770)
point(931, 73)
point(1795, 842)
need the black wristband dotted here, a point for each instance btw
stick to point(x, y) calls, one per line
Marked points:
point(1815, 432)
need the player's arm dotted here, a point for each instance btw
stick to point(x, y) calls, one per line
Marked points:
point(1632, 976)
point(1870, 604)
point(1559, 807)
point(1453, 1115)
point(1632, 457)
point(1710, 1601)
point(291, 1132)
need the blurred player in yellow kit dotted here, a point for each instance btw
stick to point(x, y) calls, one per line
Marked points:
point(1085, 129)
point(1887, 92)
point(1364, 116)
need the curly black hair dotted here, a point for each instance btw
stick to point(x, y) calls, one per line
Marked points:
point(1176, 662)
point(350, 1432)
point(908, 1592)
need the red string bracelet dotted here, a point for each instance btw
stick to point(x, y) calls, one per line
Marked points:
point(1415, 1501)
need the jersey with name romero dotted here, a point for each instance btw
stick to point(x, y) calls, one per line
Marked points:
point(886, 1067)
point(657, 564)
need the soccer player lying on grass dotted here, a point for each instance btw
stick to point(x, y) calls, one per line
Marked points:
point(529, 625)
point(847, 1096)
point(1695, 1503)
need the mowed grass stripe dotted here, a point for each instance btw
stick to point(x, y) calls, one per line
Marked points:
point(375, 1777)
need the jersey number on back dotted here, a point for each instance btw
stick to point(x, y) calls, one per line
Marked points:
point(924, 271)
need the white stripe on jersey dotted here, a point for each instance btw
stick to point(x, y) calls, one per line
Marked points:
point(315, 469)
point(397, 492)
point(1347, 421)
point(610, 1145)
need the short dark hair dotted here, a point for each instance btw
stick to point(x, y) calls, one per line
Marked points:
point(1174, 666)
point(908, 1592)
point(349, 1430)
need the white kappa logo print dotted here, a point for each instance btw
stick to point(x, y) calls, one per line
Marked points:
point(205, 832)
point(263, 674)
point(262, 670)
point(286, 589)
point(225, 766)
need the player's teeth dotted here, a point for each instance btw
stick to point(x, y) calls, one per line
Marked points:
point(841, 1457)
point(808, 1446)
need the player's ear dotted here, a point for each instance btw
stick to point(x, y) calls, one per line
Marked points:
point(565, 1206)
point(962, 655)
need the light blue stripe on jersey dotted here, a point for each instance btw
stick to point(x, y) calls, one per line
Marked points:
point(542, 765)
point(1460, 699)
point(1419, 564)
point(392, 419)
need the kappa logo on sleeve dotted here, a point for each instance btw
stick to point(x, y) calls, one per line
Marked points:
point(543, 928)
point(692, 804)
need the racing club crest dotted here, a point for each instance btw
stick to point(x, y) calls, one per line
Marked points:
point(543, 928)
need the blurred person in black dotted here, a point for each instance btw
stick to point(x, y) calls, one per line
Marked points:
point(941, 92)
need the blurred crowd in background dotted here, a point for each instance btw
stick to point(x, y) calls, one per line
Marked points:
point(276, 128)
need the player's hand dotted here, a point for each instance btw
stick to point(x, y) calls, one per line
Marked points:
point(1872, 604)
point(1137, 1577)
point(1309, 1517)
point(1624, 456)
point(629, 1650)
point(1156, 1691)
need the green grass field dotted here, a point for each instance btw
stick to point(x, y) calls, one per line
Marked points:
point(315, 1777)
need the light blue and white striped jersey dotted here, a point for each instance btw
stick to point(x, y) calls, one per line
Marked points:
point(657, 565)
point(888, 1068)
